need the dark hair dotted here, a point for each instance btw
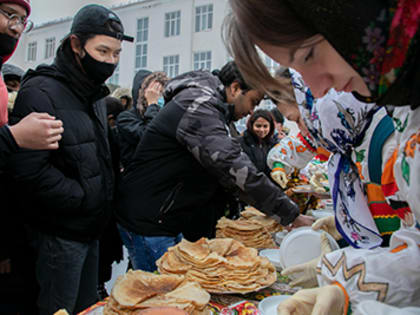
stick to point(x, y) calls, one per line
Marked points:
point(229, 74)
point(278, 117)
point(111, 25)
point(270, 21)
point(113, 106)
point(261, 113)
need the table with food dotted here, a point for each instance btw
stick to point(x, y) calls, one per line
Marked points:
point(238, 272)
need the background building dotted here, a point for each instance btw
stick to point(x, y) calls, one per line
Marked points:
point(174, 36)
point(170, 35)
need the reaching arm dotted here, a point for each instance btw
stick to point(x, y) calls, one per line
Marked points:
point(205, 134)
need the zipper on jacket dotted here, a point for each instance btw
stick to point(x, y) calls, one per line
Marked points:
point(170, 200)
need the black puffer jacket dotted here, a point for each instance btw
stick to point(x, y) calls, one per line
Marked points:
point(185, 157)
point(66, 192)
point(8, 145)
point(257, 151)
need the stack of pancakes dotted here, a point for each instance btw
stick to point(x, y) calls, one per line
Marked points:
point(138, 290)
point(221, 265)
point(253, 229)
point(252, 214)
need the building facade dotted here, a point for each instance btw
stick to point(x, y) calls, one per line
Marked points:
point(174, 36)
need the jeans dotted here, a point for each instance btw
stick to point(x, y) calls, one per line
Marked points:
point(67, 273)
point(145, 250)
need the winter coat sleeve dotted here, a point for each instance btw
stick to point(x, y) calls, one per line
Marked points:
point(33, 170)
point(130, 127)
point(385, 274)
point(290, 153)
point(206, 136)
point(8, 145)
point(151, 111)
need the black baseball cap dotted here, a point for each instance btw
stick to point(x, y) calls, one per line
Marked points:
point(92, 19)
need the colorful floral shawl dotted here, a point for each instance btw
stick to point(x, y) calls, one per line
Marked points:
point(380, 39)
point(338, 122)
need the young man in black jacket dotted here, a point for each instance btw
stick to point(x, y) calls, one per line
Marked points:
point(68, 192)
point(175, 184)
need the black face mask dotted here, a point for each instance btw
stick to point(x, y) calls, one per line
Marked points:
point(7, 44)
point(97, 71)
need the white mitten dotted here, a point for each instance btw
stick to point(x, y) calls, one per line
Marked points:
point(280, 177)
point(320, 301)
point(328, 225)
point(307, 271)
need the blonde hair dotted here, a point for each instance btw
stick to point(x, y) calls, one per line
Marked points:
point(120, 92)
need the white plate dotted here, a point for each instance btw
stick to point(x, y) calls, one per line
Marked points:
point(302, 245)
point(268, 306)
point(273, 256)
point(279, 236)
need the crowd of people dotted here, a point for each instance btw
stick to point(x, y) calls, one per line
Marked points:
point(84, 172)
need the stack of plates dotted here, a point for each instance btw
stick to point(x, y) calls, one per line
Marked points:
point(298, 246)
point(273, 256)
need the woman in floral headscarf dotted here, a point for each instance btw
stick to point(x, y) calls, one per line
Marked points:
point(361, 138)
point(369, 48)
point(362, 141)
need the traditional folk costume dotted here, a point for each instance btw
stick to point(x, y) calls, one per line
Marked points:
point(361, 138)
point(381, 41)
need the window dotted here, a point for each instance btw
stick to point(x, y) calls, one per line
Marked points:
point(49, 47)
point(142, 30)
point(141, 43)
point(271, 65)
point(141, 56)
point(32, 51)
point(171, 65)
point(203, 18)
point(202, 60)
point(115, 78)
point(172, 23)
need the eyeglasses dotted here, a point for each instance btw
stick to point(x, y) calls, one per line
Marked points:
point(16, 20)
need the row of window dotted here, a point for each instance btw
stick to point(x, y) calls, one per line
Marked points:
point(203, 21)
point(49, 49)
point(202, 61)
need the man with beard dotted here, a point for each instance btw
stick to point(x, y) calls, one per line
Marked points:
point(187, 166)
point(37, 130)
point(68, 192)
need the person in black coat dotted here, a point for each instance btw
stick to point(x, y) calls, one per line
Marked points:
point(36, 131)
point(147, 101)
point(68, 192)
point(172, 188)
point(259, 138)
